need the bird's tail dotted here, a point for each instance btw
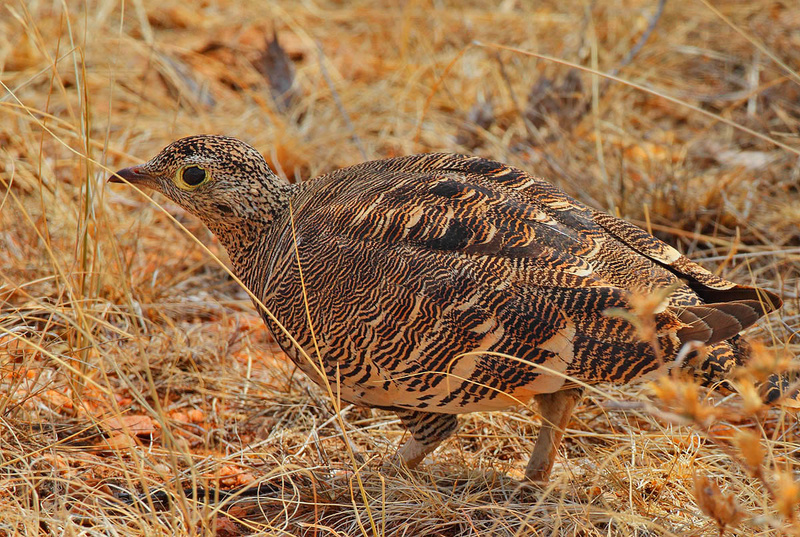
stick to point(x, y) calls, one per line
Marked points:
point(718, 364)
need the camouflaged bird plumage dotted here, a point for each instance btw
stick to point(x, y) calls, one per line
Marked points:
point(438, 284)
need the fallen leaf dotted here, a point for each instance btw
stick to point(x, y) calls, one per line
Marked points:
point(278, 69)
point(196, 415)
point(232, 476)
point(136, 425)
point(119, 441)
point(57, 400)
point(225, 527)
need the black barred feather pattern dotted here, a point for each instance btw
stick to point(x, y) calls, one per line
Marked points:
point(469, 255)
point(441, 284)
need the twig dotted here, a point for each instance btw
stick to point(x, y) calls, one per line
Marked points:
point(640, 43)
point(339, 104)
point(533, 132)
point(333, 421)
point(435, 88)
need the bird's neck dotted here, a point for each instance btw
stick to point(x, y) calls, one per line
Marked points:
point(244, 237)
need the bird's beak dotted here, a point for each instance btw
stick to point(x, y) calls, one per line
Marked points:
point(132, 175)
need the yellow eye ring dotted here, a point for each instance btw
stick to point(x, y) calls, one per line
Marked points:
point(191, 177)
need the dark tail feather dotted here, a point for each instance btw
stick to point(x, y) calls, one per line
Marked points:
point(713, 323)
point(780, 389)
point(723, 358)
point(719, 363)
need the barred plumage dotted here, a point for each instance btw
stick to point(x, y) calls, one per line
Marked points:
point(443, 284)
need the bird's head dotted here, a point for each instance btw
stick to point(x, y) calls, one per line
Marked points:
point(223, 181)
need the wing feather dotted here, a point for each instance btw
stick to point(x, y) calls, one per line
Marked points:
point(498, 260)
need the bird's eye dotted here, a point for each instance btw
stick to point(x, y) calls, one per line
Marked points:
point(193, 176)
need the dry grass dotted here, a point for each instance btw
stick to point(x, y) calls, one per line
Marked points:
point(130, 361)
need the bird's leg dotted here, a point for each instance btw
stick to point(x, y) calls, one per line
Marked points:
point(428, 430)
point(555, 409)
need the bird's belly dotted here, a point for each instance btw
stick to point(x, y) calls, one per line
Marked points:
point(460, 382)
point(386, 335)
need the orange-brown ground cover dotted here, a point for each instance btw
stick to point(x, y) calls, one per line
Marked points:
point(130, 361)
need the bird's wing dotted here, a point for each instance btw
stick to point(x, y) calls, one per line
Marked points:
point(423, 258)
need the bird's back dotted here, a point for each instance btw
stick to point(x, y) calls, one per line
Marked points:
point(452, 284)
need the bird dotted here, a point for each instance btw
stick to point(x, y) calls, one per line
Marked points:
point(434, 285)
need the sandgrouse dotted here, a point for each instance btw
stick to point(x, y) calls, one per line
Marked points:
point(434, 285)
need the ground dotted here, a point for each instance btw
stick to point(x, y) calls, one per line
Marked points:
point(133, 370)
